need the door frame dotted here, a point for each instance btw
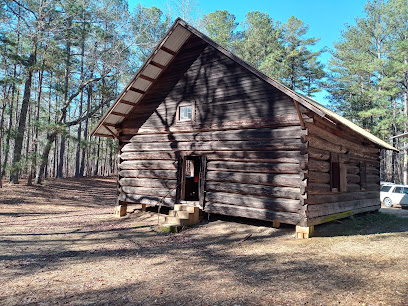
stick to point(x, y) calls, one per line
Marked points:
point(181, 179)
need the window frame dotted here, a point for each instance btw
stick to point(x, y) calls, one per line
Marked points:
point(338, 174)
point(178, 113)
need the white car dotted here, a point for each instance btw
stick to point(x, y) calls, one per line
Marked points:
point(394, 195)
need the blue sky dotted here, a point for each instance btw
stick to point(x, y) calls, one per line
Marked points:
point(326, 18)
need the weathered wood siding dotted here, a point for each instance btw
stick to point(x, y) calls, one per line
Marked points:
point(361, 162)
point(249, 132)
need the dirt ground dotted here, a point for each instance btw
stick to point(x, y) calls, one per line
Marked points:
point(60, 244)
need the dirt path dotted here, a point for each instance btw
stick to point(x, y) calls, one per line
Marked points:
point(60, 244)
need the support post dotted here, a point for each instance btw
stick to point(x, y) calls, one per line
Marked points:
point(304, 232)
point(144, 207)
point(120, 210)
point(275, 224)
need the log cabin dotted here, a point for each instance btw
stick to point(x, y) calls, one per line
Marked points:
point(198, 125)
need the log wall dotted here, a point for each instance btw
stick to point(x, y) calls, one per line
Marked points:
point(257, 177)
point(360, 162)
point(248, 131)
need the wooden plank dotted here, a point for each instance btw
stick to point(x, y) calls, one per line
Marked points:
point(167, 50)
point(277, 121)
point(154, 192)
point(316, 188)
point(334, 139)
point(318, 154)
point(318, 177)
point(292, 132)
point(278, 145)
point(149, 155)
point(252, 213)
point(155, 64)
point(118, 114)
point(145, 77)
point(256, 190)
point(275, 204)
point(318, 165)
point(353, 187)
point(343, 178)
point(332, 217)
point(313, 199)
point(152, 165)
point(127, 102)
point(352, 169)
point(260, 156)
point(283, 180)
point(314, 211)
point(145, 199)
point(166, 174)
point(179, 178)
point(254, 167)
point(137, 90)
point(363, 175)
point(148, 182)
point(372, 179)
point(202, 181)
point(318, 143)
point(353, 179)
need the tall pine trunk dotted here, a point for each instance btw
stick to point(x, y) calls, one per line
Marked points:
point(14, 174)
point(60, 173)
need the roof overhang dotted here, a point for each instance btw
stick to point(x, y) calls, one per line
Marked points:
point(166, 50)
point(149, 72)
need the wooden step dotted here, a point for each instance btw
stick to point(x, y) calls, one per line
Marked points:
point(179, 213)
point(185, 207)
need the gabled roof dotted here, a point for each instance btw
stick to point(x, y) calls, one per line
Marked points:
point(166, 50)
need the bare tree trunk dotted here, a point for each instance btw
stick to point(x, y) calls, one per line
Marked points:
point(88, 109)
point(22, 121)
point(33, 165)
point(60, 173)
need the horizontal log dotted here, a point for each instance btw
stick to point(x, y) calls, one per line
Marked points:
point(358, 156)
point(152, 165)
point(282, 144)
point(256, 190)
point(276, 204)
point(320, 210)
point(318, 143)
point(315, 199)
point(254, 167)
point(277, 121)
point(259, 156)
point(318, 165)
point(374, 171)
point(316, 188)
point(149, 155)
point(318, 177)
point(252, 213)
point(372, 179)
point(319, 154)
point(146, 182)
point(332, 217)
point(353, 179)
point(145, 199)
point(283, 180)
point(353, 187)
point(155, 192)
point(373, 187)
point(245, 134)
point(337, 140)
point(352, 169)
point(165, 174)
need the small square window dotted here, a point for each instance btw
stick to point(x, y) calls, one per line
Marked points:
point(186, 113)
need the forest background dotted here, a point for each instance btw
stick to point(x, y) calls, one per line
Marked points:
point(64, 62)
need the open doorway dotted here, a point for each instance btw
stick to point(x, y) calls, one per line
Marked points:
point(191, 178)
